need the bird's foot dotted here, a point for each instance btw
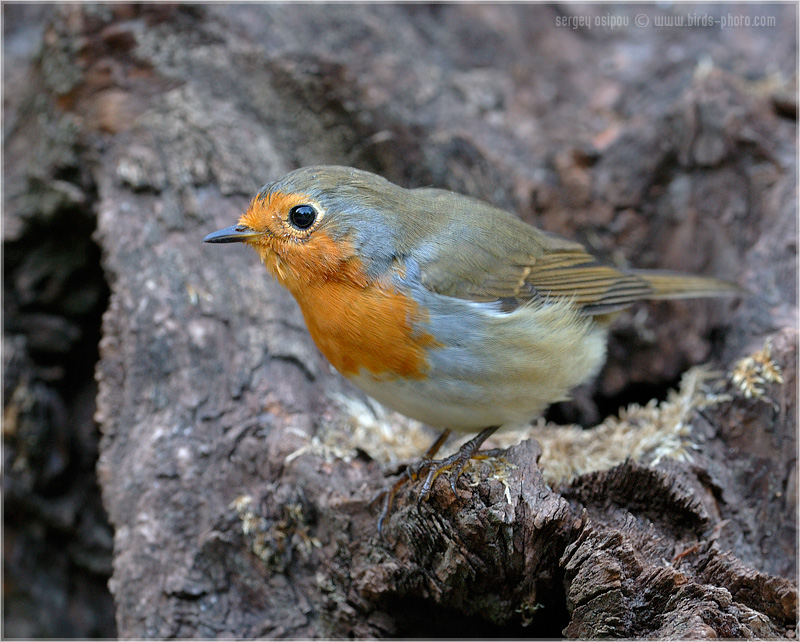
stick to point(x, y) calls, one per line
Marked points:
point(430, 469)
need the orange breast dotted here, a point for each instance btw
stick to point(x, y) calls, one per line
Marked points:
point(358, 323)
point(369, 327)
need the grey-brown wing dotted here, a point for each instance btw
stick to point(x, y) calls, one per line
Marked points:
point(553, 268)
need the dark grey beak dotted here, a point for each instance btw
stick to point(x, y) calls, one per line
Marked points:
point(231, 234)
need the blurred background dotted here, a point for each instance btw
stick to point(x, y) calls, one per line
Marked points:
point(659, 135)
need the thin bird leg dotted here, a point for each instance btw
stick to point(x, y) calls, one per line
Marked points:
point(409, 474)
point(455, 463)
point(436, 445)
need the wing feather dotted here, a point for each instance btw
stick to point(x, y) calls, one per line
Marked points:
point(500, 258)
point(591, 286)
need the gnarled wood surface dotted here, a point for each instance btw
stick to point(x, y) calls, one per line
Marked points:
point(238, 496)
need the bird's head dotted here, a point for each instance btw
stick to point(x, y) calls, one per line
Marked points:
point(320, 223)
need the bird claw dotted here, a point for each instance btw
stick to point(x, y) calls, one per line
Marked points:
point(453, 465)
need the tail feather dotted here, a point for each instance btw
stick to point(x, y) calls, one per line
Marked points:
point(673, 285)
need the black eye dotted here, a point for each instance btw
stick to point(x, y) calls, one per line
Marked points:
point(302, 216)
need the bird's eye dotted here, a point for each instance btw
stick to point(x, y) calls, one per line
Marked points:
point(302, 216)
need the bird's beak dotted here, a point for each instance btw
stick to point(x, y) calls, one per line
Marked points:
point(232, 234)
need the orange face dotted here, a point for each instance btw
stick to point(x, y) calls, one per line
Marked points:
point(359, 323)
point(290, 242)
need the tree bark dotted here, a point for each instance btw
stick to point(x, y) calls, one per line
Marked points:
point(238, 470)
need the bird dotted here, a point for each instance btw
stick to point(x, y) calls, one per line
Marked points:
point(440, 306)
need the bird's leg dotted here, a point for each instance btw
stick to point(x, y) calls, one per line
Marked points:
point(436, 445)
point(409, 474)
point(453, 465)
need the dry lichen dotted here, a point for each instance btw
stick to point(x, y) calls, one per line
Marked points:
point(276, 541)
point(498, 469)
point(646, 434)
point(363, 424)
point(750, 374)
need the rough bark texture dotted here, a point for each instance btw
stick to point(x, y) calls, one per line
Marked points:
point(234, 512)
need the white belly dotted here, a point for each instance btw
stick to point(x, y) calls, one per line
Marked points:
point(494, 368)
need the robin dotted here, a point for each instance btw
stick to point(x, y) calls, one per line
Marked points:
point(440, 306)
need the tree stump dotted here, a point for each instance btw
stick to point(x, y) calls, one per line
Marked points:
point(238, 470)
